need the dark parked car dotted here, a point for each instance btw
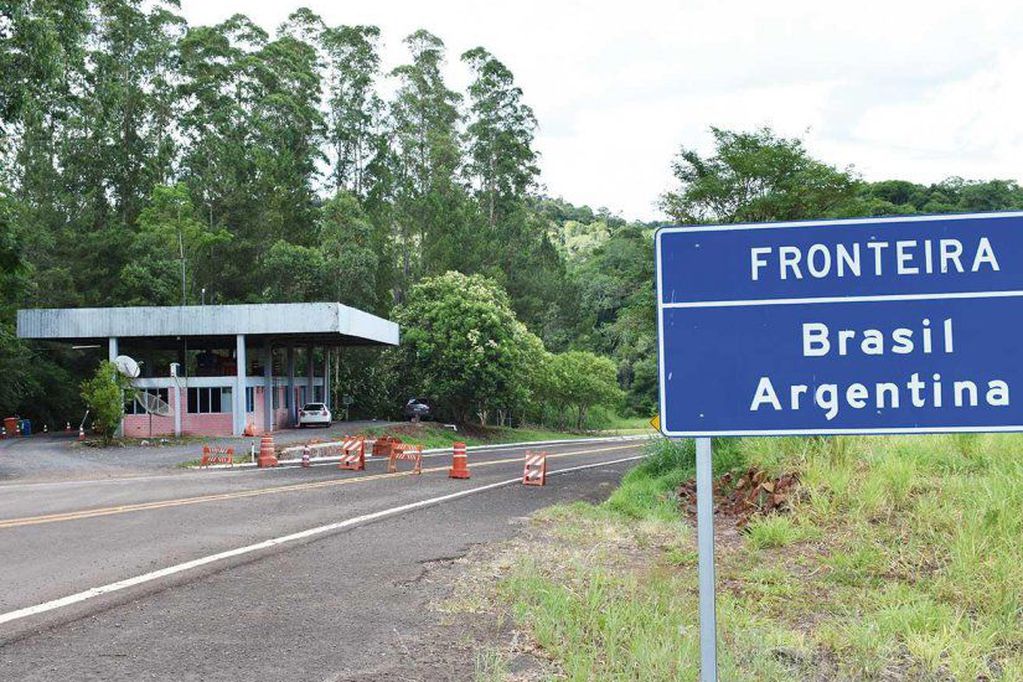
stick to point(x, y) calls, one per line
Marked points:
point(416, 409)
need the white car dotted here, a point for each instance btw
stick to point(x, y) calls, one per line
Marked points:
point(314, 414)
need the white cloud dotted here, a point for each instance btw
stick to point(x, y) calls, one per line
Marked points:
point(919, 90)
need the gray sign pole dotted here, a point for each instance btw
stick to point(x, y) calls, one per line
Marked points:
point(705, 543)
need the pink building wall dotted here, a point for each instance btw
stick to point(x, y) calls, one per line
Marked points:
point(280, 418)
point(211, 424)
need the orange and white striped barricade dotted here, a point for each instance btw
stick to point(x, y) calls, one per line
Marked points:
point(353, 453)
point(459, 462)
point(535, 472)
point(407, 451)
point(216, 456)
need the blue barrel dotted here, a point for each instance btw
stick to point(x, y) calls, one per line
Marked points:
point(26, 427)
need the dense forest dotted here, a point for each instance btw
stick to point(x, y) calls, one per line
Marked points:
point(146, 161)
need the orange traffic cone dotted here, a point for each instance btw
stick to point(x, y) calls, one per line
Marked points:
point(459, 462)
point(305, 458)
point(81, 432)
point(267, 458)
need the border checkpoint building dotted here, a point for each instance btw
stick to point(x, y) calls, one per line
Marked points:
point(222, 378)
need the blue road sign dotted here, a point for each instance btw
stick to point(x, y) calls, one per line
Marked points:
point(882, 325)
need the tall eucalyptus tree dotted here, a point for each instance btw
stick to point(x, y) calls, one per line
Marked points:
point(429, 203)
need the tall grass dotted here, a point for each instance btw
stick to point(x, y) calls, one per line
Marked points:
point(902, 559)
point(648, 490)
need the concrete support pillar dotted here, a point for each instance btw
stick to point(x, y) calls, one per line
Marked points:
point(179, 408)
point(326, 377)
point(239, 385)
point(292, 406)
point(309, 374)
point(112, 352)
point(268, 387)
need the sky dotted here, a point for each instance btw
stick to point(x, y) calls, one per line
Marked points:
point(897, 89)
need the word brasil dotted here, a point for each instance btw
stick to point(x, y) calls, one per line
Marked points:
point(914, 391)
point(903, 257)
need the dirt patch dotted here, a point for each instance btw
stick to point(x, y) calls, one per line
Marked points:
point(741, 497)
point(460, 643)
point(412, 430)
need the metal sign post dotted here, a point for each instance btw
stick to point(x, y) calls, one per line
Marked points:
point(705, 543)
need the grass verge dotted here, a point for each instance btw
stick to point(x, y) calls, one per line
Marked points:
point(900, 560)
point(433, 435)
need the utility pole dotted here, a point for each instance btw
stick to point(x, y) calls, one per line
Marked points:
point(181, 253)
point(181, 250)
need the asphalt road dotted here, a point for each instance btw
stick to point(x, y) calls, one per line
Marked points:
point(193, 576)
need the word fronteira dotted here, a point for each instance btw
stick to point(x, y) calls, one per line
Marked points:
point(873, 258)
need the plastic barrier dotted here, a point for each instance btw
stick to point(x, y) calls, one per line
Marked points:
point(383, 445)
point(353, 454)
point(459, 462)
point(267, 458)
point(406, 451)
point(535, 472)
point(216, 456)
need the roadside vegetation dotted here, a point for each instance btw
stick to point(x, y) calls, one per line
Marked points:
point(896, 558)
point(433, 435)
point(104, 395)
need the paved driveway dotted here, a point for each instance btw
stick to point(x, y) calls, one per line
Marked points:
point(60, 457)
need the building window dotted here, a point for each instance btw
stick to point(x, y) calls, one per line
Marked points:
point(276, 393)
point(209, 400)
point(133, 406)
point(250, 399)
point(287, 398)
point(317, 394)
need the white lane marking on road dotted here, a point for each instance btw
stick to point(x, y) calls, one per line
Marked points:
point(274, 542)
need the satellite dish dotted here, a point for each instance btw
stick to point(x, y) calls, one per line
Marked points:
point(127, 366)
point(154, 404)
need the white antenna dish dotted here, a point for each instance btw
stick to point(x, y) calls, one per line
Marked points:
point(127, 366)
point(154, 404)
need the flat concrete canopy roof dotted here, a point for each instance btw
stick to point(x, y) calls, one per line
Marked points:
point(321, 324)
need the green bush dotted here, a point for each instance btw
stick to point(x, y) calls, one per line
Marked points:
point(463, 346)
point(104, 394)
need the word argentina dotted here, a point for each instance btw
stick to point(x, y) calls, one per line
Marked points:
point(918, 390)
point(873, 258)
